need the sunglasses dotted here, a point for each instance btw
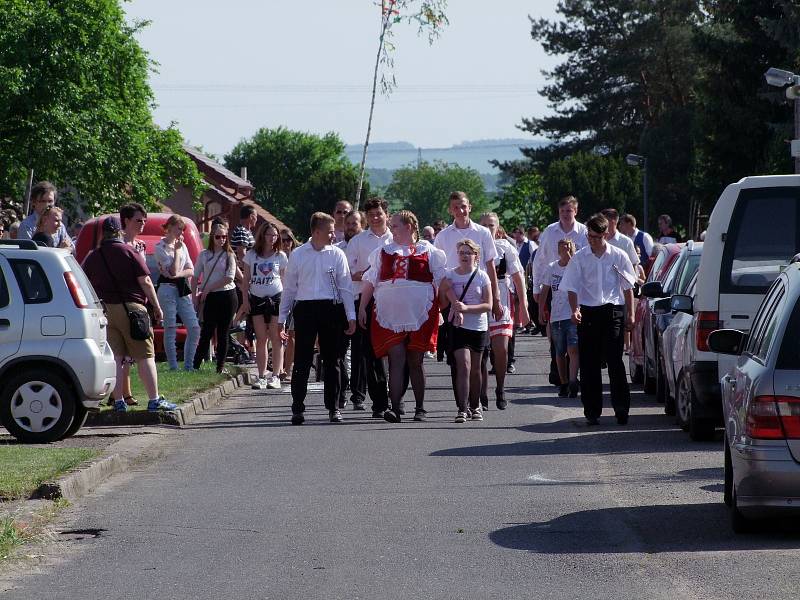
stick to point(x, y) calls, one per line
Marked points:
point(220, 237)
point(285, 240)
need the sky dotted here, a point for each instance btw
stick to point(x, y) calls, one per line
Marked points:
point(228, 68)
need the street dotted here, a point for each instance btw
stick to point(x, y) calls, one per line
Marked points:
point(529, 503)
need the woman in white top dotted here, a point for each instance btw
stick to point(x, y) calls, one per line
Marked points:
point(288, 244)
point(261, 287)
point(214, 294)
point(403, 276)
point(468, 291)
point(175, 269)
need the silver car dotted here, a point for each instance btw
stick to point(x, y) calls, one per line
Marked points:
point(761, 407)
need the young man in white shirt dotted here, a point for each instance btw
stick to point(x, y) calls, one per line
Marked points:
point(565, 228)
point(617, 239)
point(318, 290)
point(599, 282)
point(642, 241)
point(367, 372)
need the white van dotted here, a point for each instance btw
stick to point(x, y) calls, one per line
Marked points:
point(753, 232)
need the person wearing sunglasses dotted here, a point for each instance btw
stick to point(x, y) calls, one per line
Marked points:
point(43, 196)
point(214, 294)
point(340, 211)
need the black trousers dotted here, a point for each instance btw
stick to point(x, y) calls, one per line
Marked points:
point(601, 335)
point(326, 321)
point(367, 372)
point(218, 310)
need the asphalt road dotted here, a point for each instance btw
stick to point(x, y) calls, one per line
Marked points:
point(530, 503)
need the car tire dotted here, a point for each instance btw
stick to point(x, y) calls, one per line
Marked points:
point(649, 382)
point(81, 414)
point(739, 523)
point(683, 402)
point(37, 406)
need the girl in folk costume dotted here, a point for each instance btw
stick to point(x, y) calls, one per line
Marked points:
point(509, 271)
point(403, 277)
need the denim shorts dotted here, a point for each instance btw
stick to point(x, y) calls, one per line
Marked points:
point(565, 334)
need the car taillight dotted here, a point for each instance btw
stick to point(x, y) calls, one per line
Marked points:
point(707, 322)
point(75, 290)
point(774, 418)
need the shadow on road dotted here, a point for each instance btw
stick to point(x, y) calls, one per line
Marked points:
point(692, 528)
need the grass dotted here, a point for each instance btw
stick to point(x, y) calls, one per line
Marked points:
point(23, 468)
point(176, 386)
point(11, 536)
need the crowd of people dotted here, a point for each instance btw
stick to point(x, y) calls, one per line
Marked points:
point(372, 289)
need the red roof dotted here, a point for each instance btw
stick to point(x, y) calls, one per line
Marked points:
point(220, 176)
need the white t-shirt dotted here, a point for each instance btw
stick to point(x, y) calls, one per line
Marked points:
point(559, 306)
point(265, 273)
point(449, 237)
point(474, 295)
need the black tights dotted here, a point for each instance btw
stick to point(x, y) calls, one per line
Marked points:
point(401, 358)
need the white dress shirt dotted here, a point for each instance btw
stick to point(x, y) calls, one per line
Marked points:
point(308, 277)
point(449, 237)
point(599, 281)
point(359, 249)
point(624, 243)
point(548, 248)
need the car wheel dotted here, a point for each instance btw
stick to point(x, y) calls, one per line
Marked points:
point(78, 421)
point(37, 407)
point(739, 523)
point(649, 382)
point(683, 403)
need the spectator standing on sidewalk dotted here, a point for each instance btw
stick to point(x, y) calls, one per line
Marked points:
point(599, 280)
point(47, 228)
point(367, 372)
point(340, 212)
point(244, 232)
point(318, 285)
point(264, 267)
point(120, 277)
point(667, 234)
point(175, 269)
point(43, 195)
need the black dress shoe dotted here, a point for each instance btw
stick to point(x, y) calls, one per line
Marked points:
point(391, 416)
point(563, 390)
point(501, 400)
point(591, 421)
point(298, 418)
point(378, 414)
point(358, 406)
point(622, 419)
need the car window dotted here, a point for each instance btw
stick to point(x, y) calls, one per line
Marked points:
point(32, 281)
point(83, 281)
point(687, 274)
point(757, 245)
point(4, 295)
point(673, 273)
point(770, 327)
point(789, 355)
point(761, 332)
point(660, 258)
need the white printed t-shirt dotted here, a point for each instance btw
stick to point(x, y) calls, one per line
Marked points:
point(559, 306)
point(474, 295)
point(265, 273)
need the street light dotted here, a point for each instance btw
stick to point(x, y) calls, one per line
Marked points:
point(781, 78)
point(636, 160)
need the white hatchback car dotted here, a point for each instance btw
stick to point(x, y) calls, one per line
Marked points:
point(55, 363)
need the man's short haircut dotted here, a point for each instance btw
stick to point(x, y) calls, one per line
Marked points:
point(597, 223)
point(533, 228)
point(629, 219)
point(666, 218)
point(457, 196)
point(127, 211)
point(362, 217)
point(612, 214)
point(439, 225)
point(42, 188)
point(568, 200)
point(318, 219)
point(376, 202)
point(246, 210)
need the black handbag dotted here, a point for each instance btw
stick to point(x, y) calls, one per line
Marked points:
point(139, 319)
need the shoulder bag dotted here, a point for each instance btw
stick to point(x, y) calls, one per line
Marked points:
point(139, 320)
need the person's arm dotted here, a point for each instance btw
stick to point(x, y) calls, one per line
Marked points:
point(345, 285)
point(366, 297)
point(244, 287)
point(647, 240)
point(540, 262)
point(573, 304)
point(545, 312)
point(629, 310)
point(198, 269)
point(150, 292)
point(496, 308)
point(289, 292)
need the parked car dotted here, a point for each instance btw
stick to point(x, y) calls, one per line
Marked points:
point(677, 343)
point(91, 234)
point(677, 281)
point(752, 233)
point(761, 406)
point(55, 363)
point(639, 367)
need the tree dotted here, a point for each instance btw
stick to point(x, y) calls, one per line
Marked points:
point(430, 17)
point(523, 203)
point(425, 189)
point(75, 106)
point(295, 173)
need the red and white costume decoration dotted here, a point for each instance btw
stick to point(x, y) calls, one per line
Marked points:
point(405, 279)
point(507, 264)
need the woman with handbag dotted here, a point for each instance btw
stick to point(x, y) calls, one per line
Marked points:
point(214, 294)
point(403, 276)
point(468, 291)
point(264, 267)
point(175, 269)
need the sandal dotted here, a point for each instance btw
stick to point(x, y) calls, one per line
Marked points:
point(130, 400)
point(391, 416)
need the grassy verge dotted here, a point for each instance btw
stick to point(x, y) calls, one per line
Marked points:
point(11, 536)
point(23, 469)
point(176, 386)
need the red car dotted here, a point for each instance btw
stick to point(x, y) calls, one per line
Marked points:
point(91, 234)
point(639, 354)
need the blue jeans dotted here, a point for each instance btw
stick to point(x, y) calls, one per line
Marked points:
point(173, 305)
point(565, 334)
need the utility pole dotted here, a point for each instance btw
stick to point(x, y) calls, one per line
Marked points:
point(797, 132)
point(419, 157)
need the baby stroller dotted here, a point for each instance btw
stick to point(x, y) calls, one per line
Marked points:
point(237, 353)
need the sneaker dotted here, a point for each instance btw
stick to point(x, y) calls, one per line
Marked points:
point(501, 399)
point(336, 416)
point(378, 414)
point(563, 390)
point(511, 369)
point(420, 414)
point(461, 417)
point(477, 415)
point(391, 416)
point(572, 389)
point(358, 406)
point(273, 383)
point(160, 404)
point(297, 418)
point(120, 406)
point(259, 384)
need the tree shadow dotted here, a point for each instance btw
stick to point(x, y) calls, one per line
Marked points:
point(640, 529)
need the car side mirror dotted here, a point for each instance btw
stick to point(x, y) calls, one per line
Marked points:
point(682, 303)
point(653, 289)
point(662, 306)
point(727, 341)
